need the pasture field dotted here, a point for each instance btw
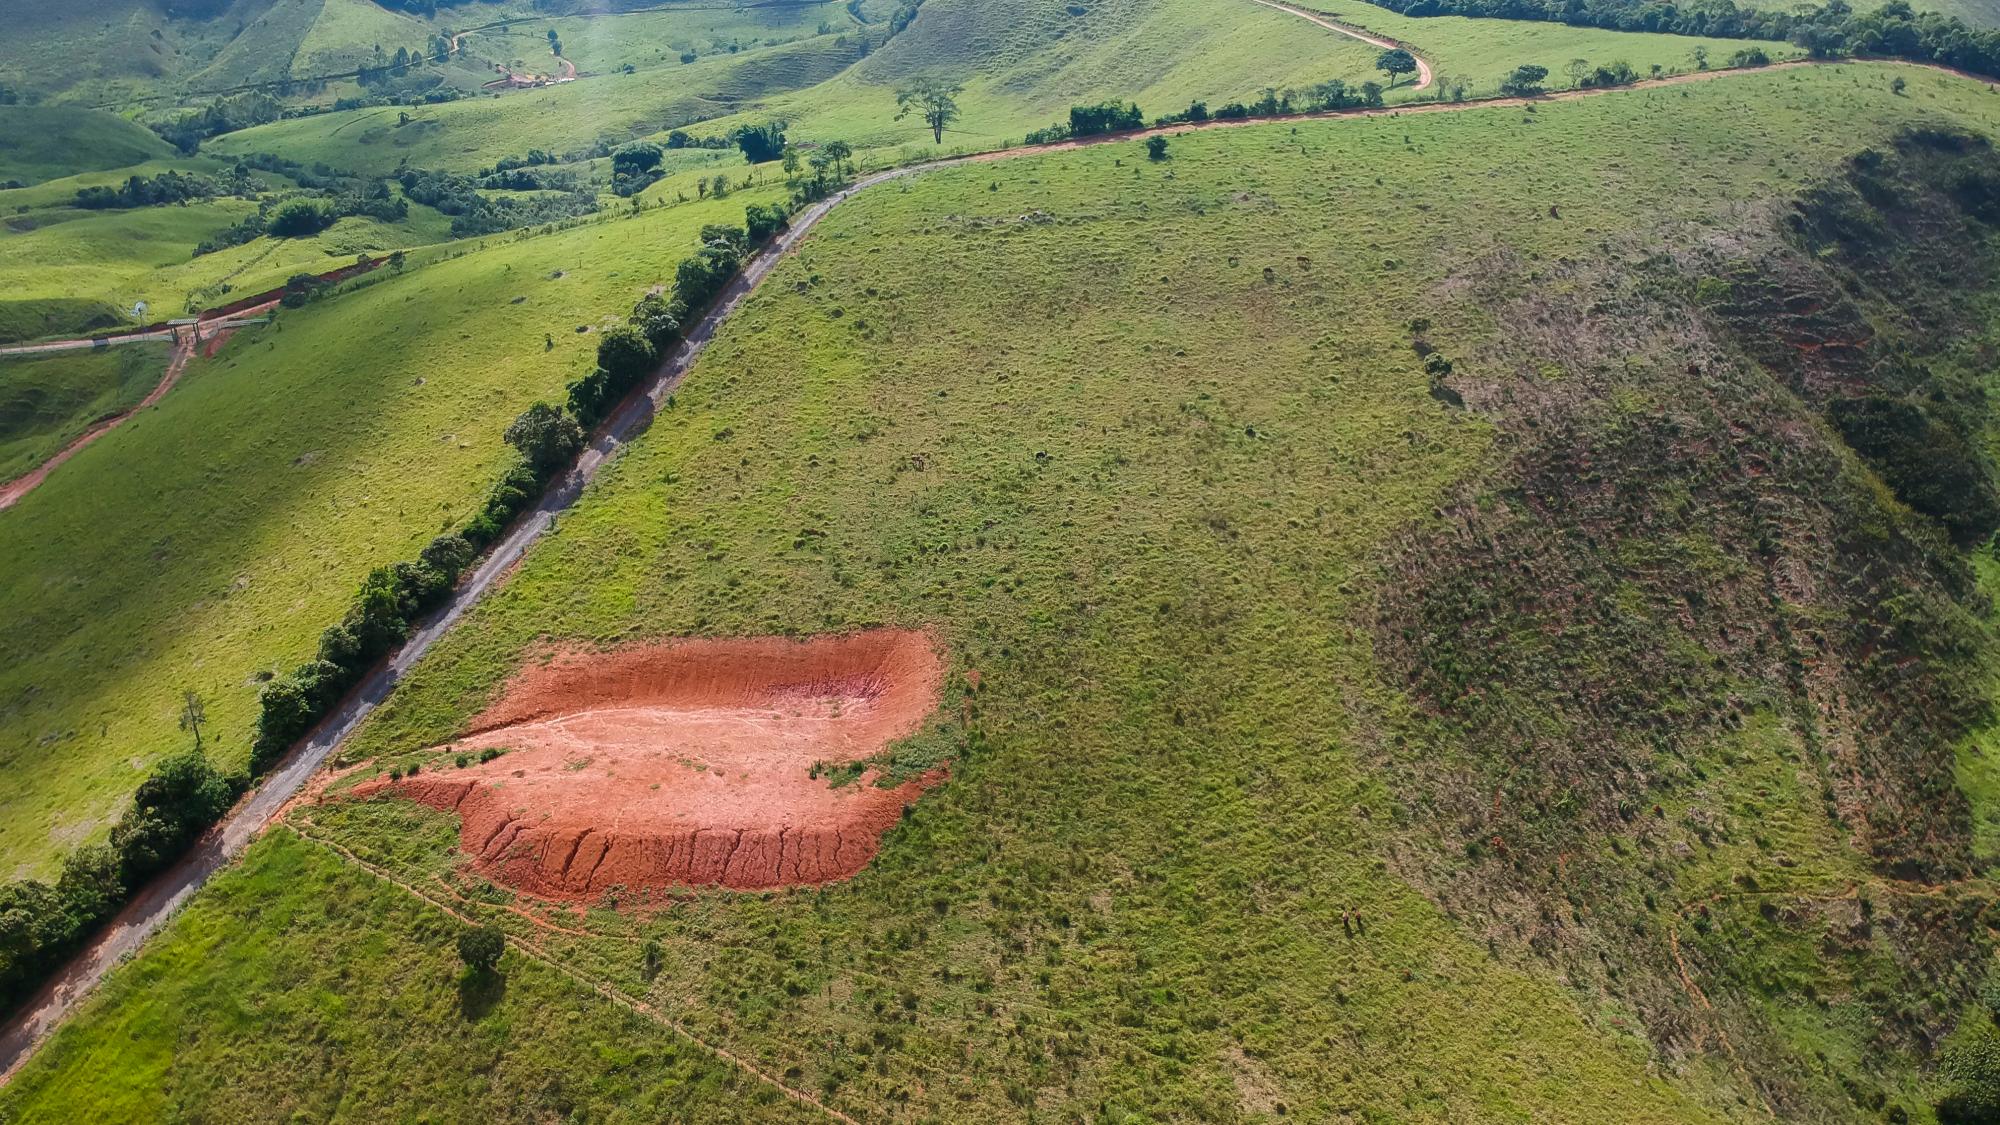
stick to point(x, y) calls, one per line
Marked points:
point(1024, 67)
point(473, 133)
point(146, 254)
point(1480, 52)
point(47, 142)
point(601, 43)
point(319, 941)
point(252, 499)
point(47, 400)
point(1150, 507)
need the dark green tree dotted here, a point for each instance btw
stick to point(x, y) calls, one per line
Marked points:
point(760, 143)
point(1395, 62)
point(481, 948)
point(545, 436)
point(1525, 81)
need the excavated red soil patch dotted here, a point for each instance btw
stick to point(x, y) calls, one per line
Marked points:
point(688, 764)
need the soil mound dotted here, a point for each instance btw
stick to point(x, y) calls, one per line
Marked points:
point(688, 764)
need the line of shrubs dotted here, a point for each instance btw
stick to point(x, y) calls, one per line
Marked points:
point(1119, 117)
point(546, 438)
point(42, 924)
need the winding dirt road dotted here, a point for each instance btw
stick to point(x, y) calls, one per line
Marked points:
point(153, 906)
point(1361, 33)
point(185, 343)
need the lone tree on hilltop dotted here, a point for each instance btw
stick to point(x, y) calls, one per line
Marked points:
point(1156, 148)
point(1396, 61)
point(481, 948)
point(932, 99)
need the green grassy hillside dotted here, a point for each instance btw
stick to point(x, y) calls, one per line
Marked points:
point(467, 135)
point(47, 400)
point(1023, 66)
point(316, 942)
point(1480, 52)
point(45, 142)
point(1237, 823)
point(250, 501)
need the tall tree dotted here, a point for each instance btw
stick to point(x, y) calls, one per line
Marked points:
point(1396, 61)
point(933, 100)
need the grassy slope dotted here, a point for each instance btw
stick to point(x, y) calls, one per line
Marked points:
point(121, 257)
point(291, 955)
point(1147, 534)
point(1023, 67)
point(469, 134)
point(146, 254)
point(47, 400)
point(599, 44)
point(44, 142)
point(252, 499)
point(344, 34)
point(1481, 51)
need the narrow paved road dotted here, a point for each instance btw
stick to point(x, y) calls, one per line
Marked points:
point(156, 904)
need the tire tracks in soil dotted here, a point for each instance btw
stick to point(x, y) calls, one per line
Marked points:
point(150, 909)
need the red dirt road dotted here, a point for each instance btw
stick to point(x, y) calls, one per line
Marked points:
point(1352, 32)
point(688, 764)
point(184, 348)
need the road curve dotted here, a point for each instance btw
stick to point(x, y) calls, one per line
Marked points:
point(1366, 36)
point(154, 905)
point(185, 344)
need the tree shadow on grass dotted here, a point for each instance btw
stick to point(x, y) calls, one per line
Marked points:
point(479, 990)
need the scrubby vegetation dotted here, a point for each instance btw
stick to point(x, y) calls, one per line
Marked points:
point(1609, 564)
point(1393, 612)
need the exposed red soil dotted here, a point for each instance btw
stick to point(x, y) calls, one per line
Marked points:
point(688, 764)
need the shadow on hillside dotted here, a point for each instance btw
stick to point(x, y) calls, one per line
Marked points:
point(479, 992)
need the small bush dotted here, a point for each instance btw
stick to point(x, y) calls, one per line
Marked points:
point(481, 948)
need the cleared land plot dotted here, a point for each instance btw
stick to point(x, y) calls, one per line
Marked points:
point(730, 761)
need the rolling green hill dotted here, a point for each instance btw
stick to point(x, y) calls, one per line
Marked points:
point(46, 142)
point(1445, 653)
point(45, 401)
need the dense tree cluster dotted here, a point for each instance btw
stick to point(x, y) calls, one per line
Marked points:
point(474, 213)
point(149, 191)
point(760, 143)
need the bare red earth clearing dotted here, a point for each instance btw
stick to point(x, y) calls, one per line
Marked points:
point(688, 764)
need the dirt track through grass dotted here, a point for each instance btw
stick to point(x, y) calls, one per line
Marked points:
point(158, 901)
point(184, 348)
